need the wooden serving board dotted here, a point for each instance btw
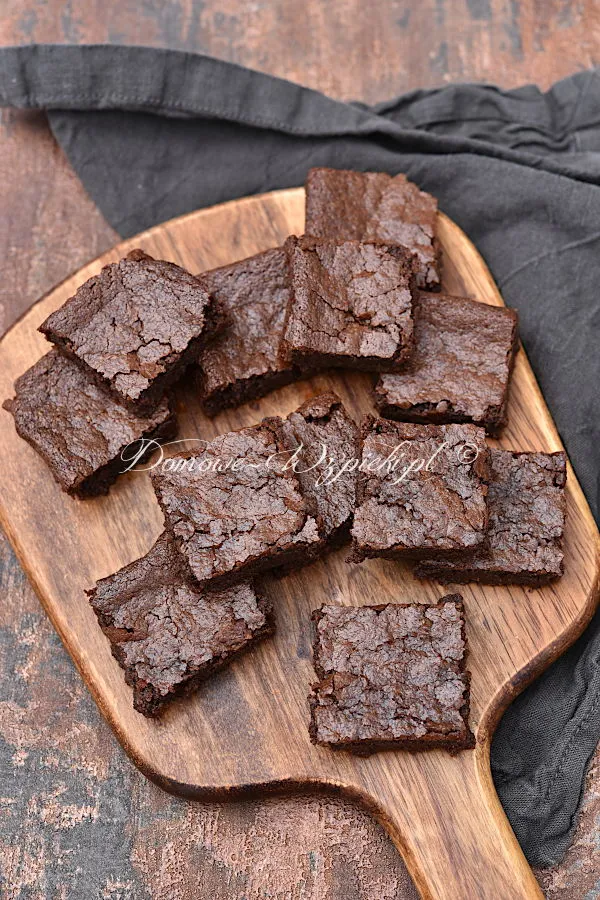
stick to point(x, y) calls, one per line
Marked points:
point(246, 729)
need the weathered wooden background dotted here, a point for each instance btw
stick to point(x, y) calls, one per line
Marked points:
point(76, 819)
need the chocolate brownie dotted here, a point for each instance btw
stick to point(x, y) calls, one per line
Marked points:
point(169, 635)
point(460, 367)
point(242, 362)
point(523, 544)
point(324, 441)
point(78, 428)
point(391, 677)
point(421, 490)
point(372, 206)
point(233, 508)
point(351, 305)
point(136, 326)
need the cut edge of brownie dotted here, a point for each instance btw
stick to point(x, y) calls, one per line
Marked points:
point(462, 741)
point(243, 391)
point(426, 413)
point(435, 570)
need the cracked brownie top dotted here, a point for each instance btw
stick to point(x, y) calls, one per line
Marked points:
point(351, 304)
point(390, 675)
point(460, 367)
point(233, 508)
point(327, 442)
point(523, 544)
point(77, 427)
point(374, 206)
point(421, 488)
point(168, 634)
point(135, 325)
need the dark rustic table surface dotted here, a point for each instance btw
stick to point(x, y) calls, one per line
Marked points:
point(77, 820)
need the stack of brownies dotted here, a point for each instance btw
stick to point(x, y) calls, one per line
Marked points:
point(359, 290)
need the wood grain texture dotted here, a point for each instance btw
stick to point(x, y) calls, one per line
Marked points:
point(247, 728)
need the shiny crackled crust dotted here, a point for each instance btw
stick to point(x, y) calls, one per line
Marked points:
point(242, 362)
point(167, 634)
point(391, 677)
point(523, 544)
point(374, 206)
point(351, 305)
point(460, 367)
point(234, 523)
point(136, 326)
point(439, 508)
point(78, 428)
point(328, 437)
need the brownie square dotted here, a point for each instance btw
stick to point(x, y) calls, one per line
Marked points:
point(421, 490)
point(324, 446)
point(136, 326)
point(169, 635)
point(391, 677)
point(373, 206)
point(78, 428)
point(460, 367)
point(351, 305)
point(233, 508)
point(242, 362)
point(523, 544)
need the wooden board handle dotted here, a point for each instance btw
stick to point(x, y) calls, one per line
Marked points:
point(453, 833)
